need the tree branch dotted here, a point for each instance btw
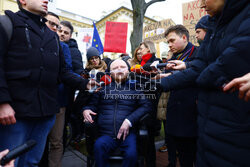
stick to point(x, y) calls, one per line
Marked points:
point(150, 3)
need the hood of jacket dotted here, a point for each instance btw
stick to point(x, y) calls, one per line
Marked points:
point(72, 43)
point(231, 9)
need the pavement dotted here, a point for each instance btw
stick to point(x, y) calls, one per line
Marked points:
point(73, 158)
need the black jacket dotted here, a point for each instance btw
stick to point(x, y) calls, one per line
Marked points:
point(76, 56)
point(223, 118)
point(32, 66)
point(181, 108)
point(114, 104)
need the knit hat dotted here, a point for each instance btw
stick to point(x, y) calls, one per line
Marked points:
point(92, 52)
point(203, 23)
point(164, 54)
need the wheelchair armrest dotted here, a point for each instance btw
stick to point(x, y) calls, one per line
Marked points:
point(144, 119)
point(91, 133)
point(90, 129)
point(143, 132)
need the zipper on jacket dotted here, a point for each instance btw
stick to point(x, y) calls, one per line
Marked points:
point(28, 37)
point(115, 117)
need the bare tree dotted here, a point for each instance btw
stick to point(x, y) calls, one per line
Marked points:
point(139, 10)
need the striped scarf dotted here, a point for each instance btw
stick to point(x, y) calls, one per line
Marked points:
point(186, 54)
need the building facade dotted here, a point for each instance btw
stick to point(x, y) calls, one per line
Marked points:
point(121, 14)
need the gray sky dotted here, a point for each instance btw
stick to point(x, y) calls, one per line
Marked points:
point(95, 9)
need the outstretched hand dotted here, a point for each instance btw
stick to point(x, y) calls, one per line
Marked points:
point(242, 84)
point(176, 65)
point(87, 115)
point(91, 84)
point(159, 76)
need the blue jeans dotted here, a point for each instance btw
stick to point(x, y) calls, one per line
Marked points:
point(24, 130)
point(104, 145)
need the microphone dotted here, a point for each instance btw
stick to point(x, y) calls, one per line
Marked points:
point(147, 67)
point(105, 80)
point(18, 151)
point(161, 65)
point(99, 75)
point(138, 69)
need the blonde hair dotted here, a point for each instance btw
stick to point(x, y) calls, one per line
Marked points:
point(150, 45)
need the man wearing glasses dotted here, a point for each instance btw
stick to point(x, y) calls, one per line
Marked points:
point(65, 34)
point(55, 137)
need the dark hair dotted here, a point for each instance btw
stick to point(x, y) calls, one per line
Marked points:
point(19, 4)
point(179, 30)
point(53, 14)
point(69, 25)
point(124, 54)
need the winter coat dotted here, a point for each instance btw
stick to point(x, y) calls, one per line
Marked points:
point(223, 118)
point(32, 67)
point(162, 106)
point(76, 56)
point(182, 109)
point(113, 104)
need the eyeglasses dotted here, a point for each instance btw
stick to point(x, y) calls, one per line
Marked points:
point(53, 24)
point(94, 58)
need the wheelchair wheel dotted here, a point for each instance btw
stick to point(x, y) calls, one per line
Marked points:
point(68, 134)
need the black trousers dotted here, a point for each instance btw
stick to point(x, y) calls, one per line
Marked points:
point(186, 147)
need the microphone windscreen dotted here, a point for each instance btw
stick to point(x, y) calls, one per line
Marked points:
point(136, 68)
point(106, 79)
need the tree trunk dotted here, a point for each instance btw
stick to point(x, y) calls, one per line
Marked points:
point(139, 9)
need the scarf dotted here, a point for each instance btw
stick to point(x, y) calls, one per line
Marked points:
point(101, 67)
point(145, 58)
point(186, 53)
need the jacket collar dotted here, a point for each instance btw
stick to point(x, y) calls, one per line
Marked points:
point(35, 22)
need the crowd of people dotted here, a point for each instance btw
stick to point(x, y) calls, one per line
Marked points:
point(201, 93)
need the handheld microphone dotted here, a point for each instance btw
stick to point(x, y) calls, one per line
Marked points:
point(138, 69)
point(147, 67)
point(99, 75)
point(161, 65)
point(18, 151)
point(105, 80)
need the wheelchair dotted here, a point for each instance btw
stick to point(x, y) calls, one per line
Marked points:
point(115, 158)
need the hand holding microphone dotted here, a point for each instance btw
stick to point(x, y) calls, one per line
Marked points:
point(158, 65)
point(104, 80)
point(17, 152)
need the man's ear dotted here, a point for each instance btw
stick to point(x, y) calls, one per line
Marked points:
point(23, 2)
point(184, 37)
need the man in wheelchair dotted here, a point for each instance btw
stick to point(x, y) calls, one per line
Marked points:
point(118, 107)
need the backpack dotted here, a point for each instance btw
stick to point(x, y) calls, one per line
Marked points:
point(7, 26)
